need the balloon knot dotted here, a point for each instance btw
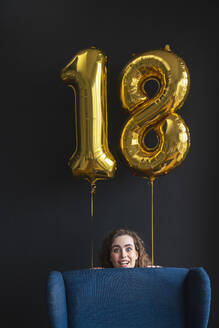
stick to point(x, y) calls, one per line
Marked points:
point(93, 187)
point(167, 48)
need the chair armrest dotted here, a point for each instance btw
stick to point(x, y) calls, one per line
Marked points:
point(56, 300)
point(198, 298)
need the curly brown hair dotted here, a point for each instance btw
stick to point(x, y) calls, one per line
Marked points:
point(143, 258)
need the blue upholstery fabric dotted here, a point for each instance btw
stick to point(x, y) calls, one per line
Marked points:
point(56, 300)
point(129, 298)
point(198, 298)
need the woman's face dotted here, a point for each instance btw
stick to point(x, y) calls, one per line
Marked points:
point(123, 253)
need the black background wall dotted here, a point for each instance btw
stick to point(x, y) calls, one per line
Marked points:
point(45, 212)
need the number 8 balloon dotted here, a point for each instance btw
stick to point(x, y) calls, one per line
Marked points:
point(156, 114)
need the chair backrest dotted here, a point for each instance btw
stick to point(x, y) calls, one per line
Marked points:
point(129, 298)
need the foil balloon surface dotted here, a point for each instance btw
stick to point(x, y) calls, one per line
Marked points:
point(157, 113)
point(86, 74)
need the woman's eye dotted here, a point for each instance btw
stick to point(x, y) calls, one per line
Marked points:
point(116, 250)
point(129, 249)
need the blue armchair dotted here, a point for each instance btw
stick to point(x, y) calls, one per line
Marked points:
point(129, 298)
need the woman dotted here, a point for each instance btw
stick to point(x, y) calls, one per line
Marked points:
point(123, 248)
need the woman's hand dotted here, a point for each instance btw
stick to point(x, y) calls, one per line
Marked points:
point(97, 268)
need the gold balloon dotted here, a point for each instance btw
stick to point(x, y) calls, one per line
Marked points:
point(156, 114)
point(86, 73)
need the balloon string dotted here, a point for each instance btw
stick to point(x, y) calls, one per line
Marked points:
point(92, 254)
point(93, 189)
point(152, 221)
point(92, 204)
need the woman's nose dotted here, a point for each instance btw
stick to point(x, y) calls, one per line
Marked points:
point(123, 253)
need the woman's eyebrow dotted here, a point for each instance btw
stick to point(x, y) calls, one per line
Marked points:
point(115, 246)
point(123, 246)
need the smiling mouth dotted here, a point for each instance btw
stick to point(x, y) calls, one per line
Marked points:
point(123, 264)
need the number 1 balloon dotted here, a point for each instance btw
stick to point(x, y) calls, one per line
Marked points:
point(86, 73)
